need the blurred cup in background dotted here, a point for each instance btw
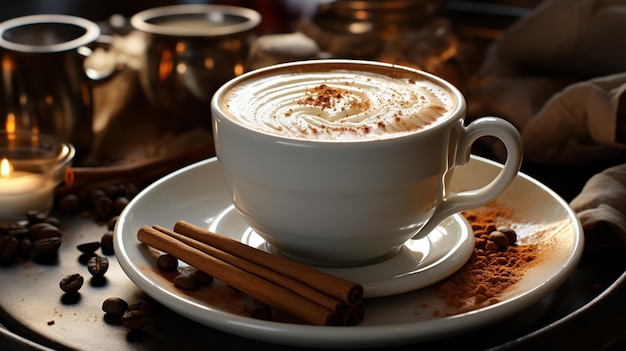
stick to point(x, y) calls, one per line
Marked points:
point(191, 50)
point(46, 85)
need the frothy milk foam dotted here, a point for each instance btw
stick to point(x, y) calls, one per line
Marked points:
point(338, 104)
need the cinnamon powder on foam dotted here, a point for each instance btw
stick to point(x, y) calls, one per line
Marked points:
point(488, 273)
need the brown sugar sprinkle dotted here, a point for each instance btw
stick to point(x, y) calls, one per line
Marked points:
point(491, 269)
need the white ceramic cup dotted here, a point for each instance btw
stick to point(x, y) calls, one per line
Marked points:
point(348, 202)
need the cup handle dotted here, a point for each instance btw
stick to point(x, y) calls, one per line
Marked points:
point(458, 202)
point(97, 75)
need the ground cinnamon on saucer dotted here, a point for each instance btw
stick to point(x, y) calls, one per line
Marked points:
point(489, 272)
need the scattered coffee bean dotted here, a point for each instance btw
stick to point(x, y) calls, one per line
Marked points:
point(130, 190)
point(98, 266)
point(119, 204)
point(9, 246)
point(112, 191)
point(140, 305)
point(53, 221)
point(89, 247)
point(43, 230)
point(491, 246)
point(106, 242)
point(83, 198)
point(93, 195)
point(50, 231)
point(47, 246)
point(167, 263)
point(104, 202)
point(71, 283)
point(34, 216)
point(510, 234)
point(15, 229)
point(40, 238)
point(26, 246)
point(499, 239)
point(135, 319)
point(202, 278)
point(111, 223)
point(69, 204)
point(186, 282)
point(103, 207)
point(115, 306)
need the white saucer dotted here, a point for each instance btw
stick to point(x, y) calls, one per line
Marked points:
point(196, 194)
point(419, 263)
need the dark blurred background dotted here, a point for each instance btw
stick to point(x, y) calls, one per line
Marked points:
point(278, 15)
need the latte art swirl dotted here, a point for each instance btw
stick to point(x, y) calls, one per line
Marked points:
point(337, 105)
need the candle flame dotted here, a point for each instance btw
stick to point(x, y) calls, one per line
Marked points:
point(10, 123)
point(6, 168)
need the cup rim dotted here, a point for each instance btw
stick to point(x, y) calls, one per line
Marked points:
point(92, 32)
point(217, 106)
point(56, 165)
point(140, 21)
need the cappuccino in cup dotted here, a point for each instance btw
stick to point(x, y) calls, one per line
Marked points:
point(338, 104)
point(341, 162)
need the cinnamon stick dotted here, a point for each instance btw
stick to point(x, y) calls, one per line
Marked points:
point(253, 285)
point(153, 168)
point(276, 278)
point(344, 290)
point(352, 315)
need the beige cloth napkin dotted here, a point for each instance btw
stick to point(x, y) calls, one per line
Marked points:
point(601, 208)
point(581, 124)
point(559, 74)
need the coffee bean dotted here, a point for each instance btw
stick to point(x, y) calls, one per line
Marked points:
point(112, 190)
point(510, 234)
point(98, 266)
point(167, 263)
point(130, 190)
point(115, 305)
point(135, 319)
point(34, 216)
point(499, 238)
point(34, 229)
point(119, 204)
point(14, 229)
point(186, 282)
point(202, 278)
point(94, 195)
point(106, 242)
point(50, 231)
point(140, 305)
point(43, 230)
point(9, 246)
point(69, 204)
point(491, 246)
point(103, 207)
point(71, 283)
point(26, 246)
point(88, 248)
point(111, 223)
point(47, 245)
point(53, 221)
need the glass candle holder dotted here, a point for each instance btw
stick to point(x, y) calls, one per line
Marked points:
point(31, 166)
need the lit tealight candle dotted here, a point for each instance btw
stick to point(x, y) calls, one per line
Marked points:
point(22, 191)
